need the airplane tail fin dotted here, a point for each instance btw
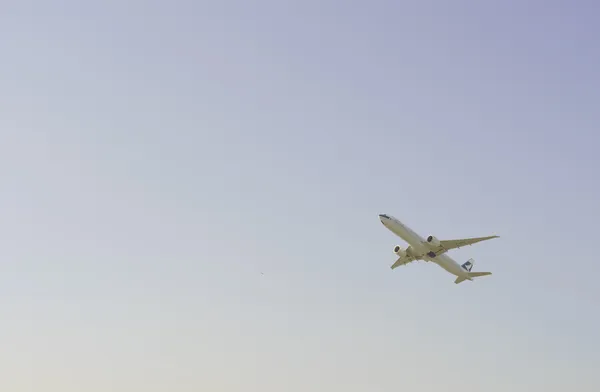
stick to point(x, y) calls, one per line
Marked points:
point(467, 266)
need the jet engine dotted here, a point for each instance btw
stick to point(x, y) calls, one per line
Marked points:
point(399, 251)
point(431, 240)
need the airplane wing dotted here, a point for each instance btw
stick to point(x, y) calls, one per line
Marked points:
point(453, 244)
point(402, 261)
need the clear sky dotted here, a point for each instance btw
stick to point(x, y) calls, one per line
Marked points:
point(156, 157)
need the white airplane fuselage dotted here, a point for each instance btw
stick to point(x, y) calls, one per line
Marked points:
point(419, 247)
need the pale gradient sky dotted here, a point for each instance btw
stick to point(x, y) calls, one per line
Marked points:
point(158, 156)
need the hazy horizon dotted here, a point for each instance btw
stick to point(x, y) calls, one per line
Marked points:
point(191, 190)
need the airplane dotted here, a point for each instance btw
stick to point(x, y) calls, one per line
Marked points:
point(432, 249)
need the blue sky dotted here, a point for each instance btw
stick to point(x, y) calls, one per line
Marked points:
point(157, 157)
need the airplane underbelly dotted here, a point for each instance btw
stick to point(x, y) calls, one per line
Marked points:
point(446, 267)
point(449, 266)
point(417, 248)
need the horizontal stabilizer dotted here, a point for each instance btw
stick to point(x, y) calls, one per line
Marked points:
point(471, 275)
point(477, 274)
